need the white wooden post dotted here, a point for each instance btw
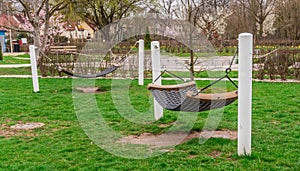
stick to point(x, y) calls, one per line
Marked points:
point(141, 62)
point(34, 73)
point(245, 93)
point(155, 57)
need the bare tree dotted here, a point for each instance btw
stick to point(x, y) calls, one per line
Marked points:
point(287, 22)
point(258, 11)
point(240, 20)
point(265, 9)
point(168, 7)
point(205, 15)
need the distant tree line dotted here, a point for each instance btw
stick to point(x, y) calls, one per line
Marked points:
point(217, 19)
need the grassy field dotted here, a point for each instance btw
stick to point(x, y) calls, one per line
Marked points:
point(20, 59)
point(62, 144)
point(15, 71)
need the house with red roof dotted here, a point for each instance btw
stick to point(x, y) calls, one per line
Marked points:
point(8, 21)
point(72, 30)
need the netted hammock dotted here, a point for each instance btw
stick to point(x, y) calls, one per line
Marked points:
point(186, 97)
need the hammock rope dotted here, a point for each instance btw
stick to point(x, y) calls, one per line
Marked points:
point(267, 54)
point(227, 71)
point(166, 71)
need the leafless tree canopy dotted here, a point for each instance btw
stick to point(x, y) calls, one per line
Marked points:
point(287, 21)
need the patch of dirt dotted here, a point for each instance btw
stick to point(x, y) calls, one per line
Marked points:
point(192, 156)
point(169, 139)
point(27, 126)
point(225, 134)
point(215, 154)
point(95, 90)
point(19, 129)
point(166, 125)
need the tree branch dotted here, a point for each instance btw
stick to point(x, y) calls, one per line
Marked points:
point(26, 10)
point(57, 7)
point(41, 6)
point(16, 29)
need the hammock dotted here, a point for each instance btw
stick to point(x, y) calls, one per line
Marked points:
point(186, 97)
point(171, 97)
point(103, 73)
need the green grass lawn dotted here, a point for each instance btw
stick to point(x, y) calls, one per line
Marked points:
point(16, 71)
point(62, 144)
point(20, 59)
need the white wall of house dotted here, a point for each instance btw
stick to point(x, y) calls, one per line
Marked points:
point(78, 34)
point(2, 42)
point(75, 34)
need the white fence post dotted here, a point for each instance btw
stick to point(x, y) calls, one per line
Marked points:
point(155, 57)
point(34, 73)
point(141, 62)
point(245, 93)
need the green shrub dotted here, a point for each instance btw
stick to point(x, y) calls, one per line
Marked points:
point(147, 39)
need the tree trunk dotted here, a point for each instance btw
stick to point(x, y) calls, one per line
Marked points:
point(37, 44)
point(192, 71)
point(46, 28)
point(261, 29)
point(191, 43)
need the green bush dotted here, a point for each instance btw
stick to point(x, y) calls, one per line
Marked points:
point(147, 39)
